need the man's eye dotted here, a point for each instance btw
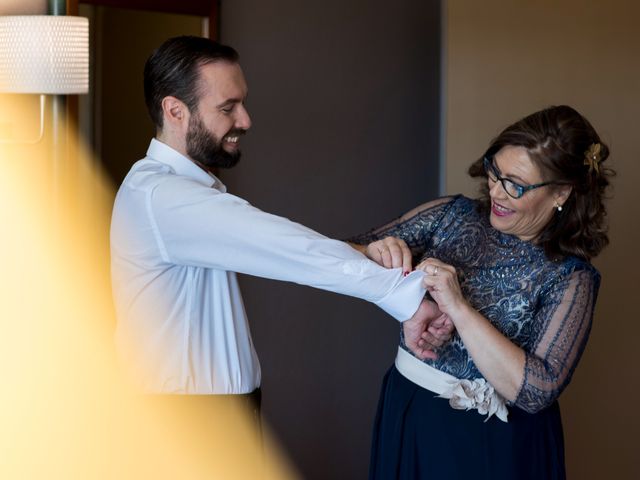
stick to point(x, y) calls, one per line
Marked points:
point(227, 109)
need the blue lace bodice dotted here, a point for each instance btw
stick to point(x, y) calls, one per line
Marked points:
point(543, 306)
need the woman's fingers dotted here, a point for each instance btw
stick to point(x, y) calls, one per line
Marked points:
point(374, 252)
point(399, 253)
point(407, 259)
point(434, 267)
point(441, 281)
point(395, 252)
point(391, 252)
point(387, 259)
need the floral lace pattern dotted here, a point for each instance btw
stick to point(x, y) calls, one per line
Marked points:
point(543, 306)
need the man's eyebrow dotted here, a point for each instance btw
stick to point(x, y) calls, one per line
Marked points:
point(230, 101)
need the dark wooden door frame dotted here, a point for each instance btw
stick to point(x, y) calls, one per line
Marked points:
point(201, 8)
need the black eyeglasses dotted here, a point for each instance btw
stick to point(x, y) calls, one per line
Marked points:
point(513, 189)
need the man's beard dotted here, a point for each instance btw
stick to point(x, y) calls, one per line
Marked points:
point(206, 149)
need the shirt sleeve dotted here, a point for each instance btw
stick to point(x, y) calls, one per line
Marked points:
point(414, 227)
point(199, 226)
point(565, 317)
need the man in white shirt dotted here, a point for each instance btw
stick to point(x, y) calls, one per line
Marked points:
point(178, 237)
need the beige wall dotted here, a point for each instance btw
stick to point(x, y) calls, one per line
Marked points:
point(505, 59)
point(23, 7)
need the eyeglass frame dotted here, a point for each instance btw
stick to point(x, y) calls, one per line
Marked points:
point(491, 170)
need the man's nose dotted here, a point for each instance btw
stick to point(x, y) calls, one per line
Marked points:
point(243, 120)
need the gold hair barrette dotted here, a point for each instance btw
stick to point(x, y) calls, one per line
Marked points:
point(592, 157)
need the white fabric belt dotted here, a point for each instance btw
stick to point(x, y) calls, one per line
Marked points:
point(475, 394)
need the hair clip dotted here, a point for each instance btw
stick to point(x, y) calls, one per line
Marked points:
point(592, 157)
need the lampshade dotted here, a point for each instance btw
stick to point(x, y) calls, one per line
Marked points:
point(44, 54)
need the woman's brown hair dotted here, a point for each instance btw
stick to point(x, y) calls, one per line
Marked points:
point(567, 149)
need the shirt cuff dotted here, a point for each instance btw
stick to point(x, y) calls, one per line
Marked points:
point(404, 299)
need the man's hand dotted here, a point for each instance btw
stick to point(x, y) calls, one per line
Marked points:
point(427, 330)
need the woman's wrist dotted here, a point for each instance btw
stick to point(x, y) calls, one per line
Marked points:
point(460, 314)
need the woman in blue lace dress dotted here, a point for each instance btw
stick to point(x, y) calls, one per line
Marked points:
point(511, 270)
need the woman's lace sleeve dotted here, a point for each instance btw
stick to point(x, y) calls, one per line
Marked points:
point(414, 227)
point(564, 322)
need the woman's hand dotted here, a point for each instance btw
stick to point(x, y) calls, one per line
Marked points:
point(441, 281)
point(499, 360)
point(390, 252)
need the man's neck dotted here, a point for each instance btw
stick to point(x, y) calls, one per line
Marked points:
point(173, 141)
point(182, 149)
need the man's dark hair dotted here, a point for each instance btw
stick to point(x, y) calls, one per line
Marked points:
point(173, 70)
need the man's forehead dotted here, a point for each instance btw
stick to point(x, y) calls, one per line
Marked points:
point(223, 76)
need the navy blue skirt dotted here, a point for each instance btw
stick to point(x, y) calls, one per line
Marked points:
point(418, 436)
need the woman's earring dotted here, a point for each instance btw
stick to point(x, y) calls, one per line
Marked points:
point(558, 207)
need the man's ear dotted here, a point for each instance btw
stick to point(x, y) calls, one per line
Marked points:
point(175, 112)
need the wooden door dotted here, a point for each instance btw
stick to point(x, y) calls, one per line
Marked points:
point(201, 8)
point(113, 120)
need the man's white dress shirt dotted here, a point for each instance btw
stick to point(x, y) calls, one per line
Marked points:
point(177, 239)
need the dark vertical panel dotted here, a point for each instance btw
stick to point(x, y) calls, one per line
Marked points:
point(344, 97)
point(124, 125)
point(214, 19)
point(184, 7)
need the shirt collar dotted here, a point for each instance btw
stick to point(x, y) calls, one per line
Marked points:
point(182, 165)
